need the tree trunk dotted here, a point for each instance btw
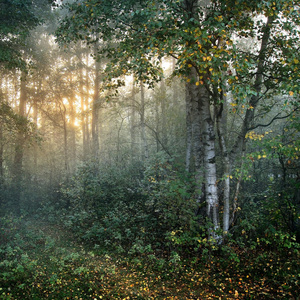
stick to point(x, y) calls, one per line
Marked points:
point(163, 105)
point(209, 157)
point(66, 155)
point(86, 104)
point(239, 145)
point(145, 153)
point(35, 121)
point(221, 123)
point(19, 148)
point(194, 143)
point(133, 125)
point(82, 109)
point(95, 112)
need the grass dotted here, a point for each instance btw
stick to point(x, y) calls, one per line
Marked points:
point(42, 261)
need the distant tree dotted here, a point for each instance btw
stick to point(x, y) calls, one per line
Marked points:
point(18, 19)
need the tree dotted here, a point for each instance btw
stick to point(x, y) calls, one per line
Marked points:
point(18, 17)
point(206, 38)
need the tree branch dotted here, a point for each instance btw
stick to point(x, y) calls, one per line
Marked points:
point(277, 117)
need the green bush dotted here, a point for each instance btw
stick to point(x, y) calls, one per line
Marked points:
point(132, 209)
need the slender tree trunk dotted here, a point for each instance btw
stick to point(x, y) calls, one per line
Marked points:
point(87, 105)
point(163, 105)
point(239, 145)
point(19, 148)
point(66, 154)
point(209, 157)
point(95, 111)
point(82, 109)
point(72, 135)
point(145, 153)
point(220, 123)
point(35, 121)
point(175, 87)
point(133, 124)
point(189, 131)
point(157, 121)
point(119, 139)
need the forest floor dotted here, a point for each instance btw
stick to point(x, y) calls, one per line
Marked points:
point(45, 262)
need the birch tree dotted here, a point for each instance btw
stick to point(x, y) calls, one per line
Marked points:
point(206, 39)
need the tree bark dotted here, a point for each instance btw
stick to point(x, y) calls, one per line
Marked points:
point(82, 108)
point(145, 153)
point(208, 135)
point(86, 103)
point(220, 123)
point(239, 145)
point(133, 125)
point(163, 105)
point(95, 111)
point(194, 141)
point(19, 147)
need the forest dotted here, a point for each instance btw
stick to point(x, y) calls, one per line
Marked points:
point(149, 149)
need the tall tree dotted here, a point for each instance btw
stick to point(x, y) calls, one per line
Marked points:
point(205, 38)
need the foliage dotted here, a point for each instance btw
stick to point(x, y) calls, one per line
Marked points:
point(49, 264)
point(207, 40)
point(205, 37)
point(137, 214)
point(17, 18)
point(272, 200)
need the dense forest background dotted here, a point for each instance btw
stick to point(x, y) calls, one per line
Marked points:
point(161, 135)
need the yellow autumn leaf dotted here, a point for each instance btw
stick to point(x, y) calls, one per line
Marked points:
point(291, 93)
point(197, 83)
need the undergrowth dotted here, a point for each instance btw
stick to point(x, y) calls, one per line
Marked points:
point(43, 261)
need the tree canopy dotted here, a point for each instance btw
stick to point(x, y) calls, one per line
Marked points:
point(208, 37)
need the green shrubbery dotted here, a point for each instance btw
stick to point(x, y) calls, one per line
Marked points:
point(145, 209)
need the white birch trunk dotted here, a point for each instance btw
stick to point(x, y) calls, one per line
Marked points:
point(226, 168)
point(209, 136)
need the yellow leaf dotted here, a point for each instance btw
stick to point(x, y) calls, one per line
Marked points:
point(189, 65)
point(291, 93)
point(197, 83)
